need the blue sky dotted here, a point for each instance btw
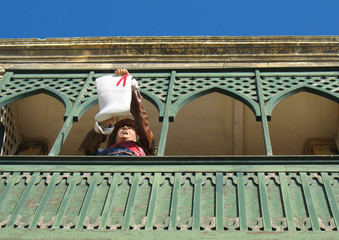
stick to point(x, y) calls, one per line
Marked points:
point(73, 18)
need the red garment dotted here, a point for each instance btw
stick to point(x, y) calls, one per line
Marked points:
point(133, 146)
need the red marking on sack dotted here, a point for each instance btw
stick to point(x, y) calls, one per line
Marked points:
point(122, 78)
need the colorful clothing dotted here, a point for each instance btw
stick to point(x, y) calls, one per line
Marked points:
point(129, 148)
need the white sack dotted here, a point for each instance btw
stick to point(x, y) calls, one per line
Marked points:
point(114, 97)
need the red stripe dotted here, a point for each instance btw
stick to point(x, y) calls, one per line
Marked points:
point(122, 78)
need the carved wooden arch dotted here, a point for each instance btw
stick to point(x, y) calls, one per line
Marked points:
point(31, 92)
point(228, 92)
point(271, 104)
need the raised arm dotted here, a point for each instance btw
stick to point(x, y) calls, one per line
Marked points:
point(142, 127)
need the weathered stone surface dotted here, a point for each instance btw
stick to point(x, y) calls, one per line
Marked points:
point(169, 52)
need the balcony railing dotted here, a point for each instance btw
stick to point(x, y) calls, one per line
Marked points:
point(231, 194)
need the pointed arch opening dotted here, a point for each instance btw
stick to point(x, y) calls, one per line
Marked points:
point(215, 124)
point(304, 123)
point(33, 123)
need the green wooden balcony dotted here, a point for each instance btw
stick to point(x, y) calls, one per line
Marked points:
point(218, 196)
point(210, 195)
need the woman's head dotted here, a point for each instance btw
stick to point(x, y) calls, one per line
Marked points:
point(126, 133)
point(124, 130)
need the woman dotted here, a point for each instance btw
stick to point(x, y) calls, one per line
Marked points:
point(129, 137)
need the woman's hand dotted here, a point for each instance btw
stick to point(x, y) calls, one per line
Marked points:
point(121, 72)
point(108, 123)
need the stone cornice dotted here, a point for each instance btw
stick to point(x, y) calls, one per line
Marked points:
point(174, 39)
point(297, 50)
